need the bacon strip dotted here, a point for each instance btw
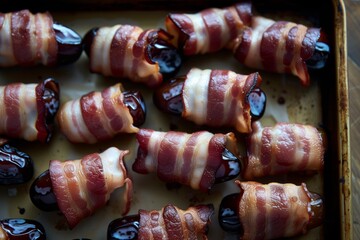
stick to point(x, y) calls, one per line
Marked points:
point(274, 210)
point(27, 39)
point(283, 148)
point(218, 98)
point(173, 223)
point(209, 30)
point(121, 51)
point(28, 110)
point(82, 186)
point(281, 47)
point(189, 159)
point(96, 116)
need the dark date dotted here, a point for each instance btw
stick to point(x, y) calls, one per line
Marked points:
point(16, 167)
point(229, 169)
point(136, 104)
point(69, 44)
point(42, 194)
point(321, 53)
point(124, 228)
point(51, 99)
point(22, 229)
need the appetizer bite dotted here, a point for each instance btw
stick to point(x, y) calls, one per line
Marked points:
point(197, 160)
point(270, 211)
point(209, 30)
point(19, 228)
point(282, 47)
point(283, 148)
point(168, 223)
point(79, 187)
point(99, 116)
point(128, 51)
point(216, 98)
point(16, 167)
point(29, 110)
point(28, 39)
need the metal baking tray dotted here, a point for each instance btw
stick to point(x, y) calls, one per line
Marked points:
point(323, 104)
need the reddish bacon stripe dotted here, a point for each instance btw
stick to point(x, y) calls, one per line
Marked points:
point(174, 223)
point(171, 155)
point(211, 21)
point(12, 107)
point(20, 29)
point(282, 149)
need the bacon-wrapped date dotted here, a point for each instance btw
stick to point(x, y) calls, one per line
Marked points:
point(16, 167)
point(79, 187)
point(208, 30)
point(28, 39)
point(215, 98)
point(168, 223)
point(19, 228)
point(29, 110)
point(198, 160)
point(128, 51)
point(283, 148)
point(282, 47)
point(99, 116)
point(270, 211)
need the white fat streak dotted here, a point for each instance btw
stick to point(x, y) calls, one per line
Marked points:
point(44, 35)
point(180, 154)
point(127, 63)
point(195, 95)
point(153, 150)
point(202, 35)
point(7, 57)
point(28, 111)
point(100, 50)
point(114, 171)
point(199, 159)
point(259, 25)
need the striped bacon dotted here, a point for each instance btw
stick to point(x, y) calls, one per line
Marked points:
point(27, 39)
point(283, 148)
point(96, 116)
point(209, 30)
point(281, 47)
point(173, 223)
point(27, 110)
point(189, 159)
point(274, 210)
point(82, 186)
point(121, 51)
point(219, 98)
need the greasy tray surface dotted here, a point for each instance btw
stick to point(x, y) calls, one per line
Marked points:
point(304, 105)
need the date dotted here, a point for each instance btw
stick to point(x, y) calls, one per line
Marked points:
point(21, 229)
point(16, 167)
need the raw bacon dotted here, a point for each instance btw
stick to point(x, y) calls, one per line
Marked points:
point(82, 186)
point(277, 46)
point(218, 98)
point(28, 110)
point(283, 148)
point(189, 159)
point(96, 116)
point(173, 223)
point(209, 30)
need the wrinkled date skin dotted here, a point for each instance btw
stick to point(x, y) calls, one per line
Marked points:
point(321, 53)
point(22, 229)
point(16, 167)
point(136, 105)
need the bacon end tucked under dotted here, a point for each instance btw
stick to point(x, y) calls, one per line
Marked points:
point(29, 109)
point(283, 148)
point(208, 30)
point(173, 223)
point(122, 51)
point(27, 39)
point(218, 98)
point(189, 159)
point(274, 210)
point(96, 116)
point(281, 47)
point(83, 186)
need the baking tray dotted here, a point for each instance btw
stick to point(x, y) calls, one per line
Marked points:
point(324, 104)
